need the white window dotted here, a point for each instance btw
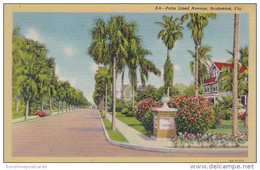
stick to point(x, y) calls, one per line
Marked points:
point(206, 89)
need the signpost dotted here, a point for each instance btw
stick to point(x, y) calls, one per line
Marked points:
point(164, 121)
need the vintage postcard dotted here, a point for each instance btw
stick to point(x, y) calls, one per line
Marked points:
point(130, 83)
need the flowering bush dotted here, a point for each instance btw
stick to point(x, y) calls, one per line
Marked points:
point(194, 115)
point(210, 140)
point(242, 116)
point(41, 113)
point(143, 112)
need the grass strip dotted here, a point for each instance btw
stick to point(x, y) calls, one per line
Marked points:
point(113, 135)
point(226, 127)
point(132, 122)
point(26, 120)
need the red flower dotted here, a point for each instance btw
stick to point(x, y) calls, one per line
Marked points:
point(202, 116)
point(210, 117)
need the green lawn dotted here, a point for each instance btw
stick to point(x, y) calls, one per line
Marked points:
point(226, 127)
point(19, 114)
point(114, 135)
point(27, 120)
point(132, 122)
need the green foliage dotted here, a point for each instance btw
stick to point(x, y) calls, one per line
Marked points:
point(150, 92)
point(224, 107)
point(171, 31)
point(147, 121)
point(180, 87)
point(33, 77)
point(204, 60)
point(163, 91)
point(119, 105)
point(190, 90)
point(102, 80)
point(227, 74)
point(127, 110)
point(143, 112)
point(168, 73)
point(198, 21)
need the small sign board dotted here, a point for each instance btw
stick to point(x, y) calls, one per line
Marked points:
point(166, 123)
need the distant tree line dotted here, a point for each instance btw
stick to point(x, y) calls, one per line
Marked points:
point(34, 83)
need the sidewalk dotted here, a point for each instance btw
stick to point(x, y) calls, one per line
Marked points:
point(135, 137)
point(138, 141)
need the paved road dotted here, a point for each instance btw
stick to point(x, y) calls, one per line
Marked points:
point(76, 134)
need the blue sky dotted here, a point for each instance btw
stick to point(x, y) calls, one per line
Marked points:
point(67, 37)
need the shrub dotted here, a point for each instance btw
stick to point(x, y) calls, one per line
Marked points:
point(218, 117)
point(143, 112)
point(224, 107)
point(119, 105)
point(41, 113)
point(125, 111)
point(242, 116)
point(150, 92)
point(194, 115)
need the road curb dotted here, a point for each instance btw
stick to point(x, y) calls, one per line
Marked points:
point(38, 118)
point(173, 150)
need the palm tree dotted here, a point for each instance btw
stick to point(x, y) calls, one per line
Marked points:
point(198, 21)
point(102, 78)
point(28, 73)
point(170, 33)
point(242, 77)
point(18, 42)
point(204, 60)
point(145, 66)
point(59, 94)
point(235, 74)
point(109, 47)
point(51, 91)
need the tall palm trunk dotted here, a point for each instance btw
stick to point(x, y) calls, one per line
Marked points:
point(50, 106)
point(101, 105)
point(235, 74)
point(105, 101)
point(122, 84)
point(59, 107)
point(42, 102)
point(133, 96)
point(16, 103)
point(197, 70)
point(114, 96)
point(168, 58)
point(62, 106)
point(27, 109)
point(246, 116)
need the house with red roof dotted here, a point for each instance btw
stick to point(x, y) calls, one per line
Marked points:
point(211, 88)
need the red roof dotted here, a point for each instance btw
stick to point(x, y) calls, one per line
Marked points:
point(210, 80)
point(220, 65)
